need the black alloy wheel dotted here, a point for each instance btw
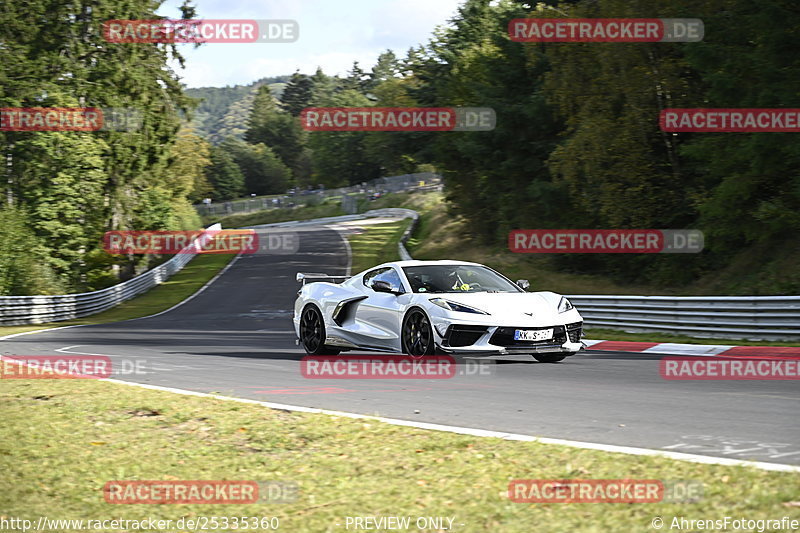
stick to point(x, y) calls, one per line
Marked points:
point(312, 332)
point(417, 334)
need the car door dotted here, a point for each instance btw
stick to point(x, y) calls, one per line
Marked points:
point(379, 315)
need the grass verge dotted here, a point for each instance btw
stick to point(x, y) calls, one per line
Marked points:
point(376, 244)
point(60, 445)
point(176, 289)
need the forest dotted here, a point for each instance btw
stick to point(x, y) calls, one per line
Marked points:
point(577, 142)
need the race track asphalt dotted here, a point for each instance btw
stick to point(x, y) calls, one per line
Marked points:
point(235, 338)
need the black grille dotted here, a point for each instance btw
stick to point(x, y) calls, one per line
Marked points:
point(574, 331)
point(505, 337)
point(463, 335)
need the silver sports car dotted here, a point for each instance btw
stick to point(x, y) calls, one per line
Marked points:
point(427, 307)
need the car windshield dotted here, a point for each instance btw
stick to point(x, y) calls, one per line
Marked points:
point(457, 278)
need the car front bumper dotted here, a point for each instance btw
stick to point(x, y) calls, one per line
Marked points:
point(478, 340)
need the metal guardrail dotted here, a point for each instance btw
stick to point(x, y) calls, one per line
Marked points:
point(401, 246)
point(19, 310)
point(726, 317)
point(389, 184)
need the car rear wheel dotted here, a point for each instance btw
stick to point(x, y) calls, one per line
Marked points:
point(549, 357)
point(312, 332)
point(417, 334)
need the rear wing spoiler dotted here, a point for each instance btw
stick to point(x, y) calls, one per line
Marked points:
point(317, 276)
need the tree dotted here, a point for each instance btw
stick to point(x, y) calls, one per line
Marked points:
point(224, 174)
point(24, 264)
point(264, 172)
point(76, 185)
point(751, 182)
point(297, 94)
point(190, 157)
point(276, 129)
point(323, 87)
point(386, 68)
point(497, 180)
point(356, 80)
point(341, 157)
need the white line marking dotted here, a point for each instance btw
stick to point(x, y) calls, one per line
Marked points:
point(347, 247)
point(41, 330)
point(589, 342)
point(704, 459)
point(702, 350)
point(66, 349)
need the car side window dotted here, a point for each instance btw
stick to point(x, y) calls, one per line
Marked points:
point(391, 277)
point(370, 276)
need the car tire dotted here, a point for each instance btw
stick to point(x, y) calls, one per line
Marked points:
point(312, 332)
point(549, 357)
point(417, 334)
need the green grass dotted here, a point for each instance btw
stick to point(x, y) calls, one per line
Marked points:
point(62, 440)
point(376, 244)
point(176, 289)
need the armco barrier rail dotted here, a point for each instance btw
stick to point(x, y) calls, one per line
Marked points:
point(726, 317)
point(17, 310)
point(388, 184)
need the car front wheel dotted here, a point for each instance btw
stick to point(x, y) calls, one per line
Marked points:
point(417, 334)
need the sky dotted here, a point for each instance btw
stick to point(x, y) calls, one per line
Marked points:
point(333, 34)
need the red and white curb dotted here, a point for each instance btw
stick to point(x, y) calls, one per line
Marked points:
point(695, 350)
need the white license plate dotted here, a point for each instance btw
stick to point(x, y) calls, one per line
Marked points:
point(533, 334)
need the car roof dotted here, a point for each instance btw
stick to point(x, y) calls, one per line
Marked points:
point(415, 262)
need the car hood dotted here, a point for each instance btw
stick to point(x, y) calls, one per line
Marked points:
point(512, 307)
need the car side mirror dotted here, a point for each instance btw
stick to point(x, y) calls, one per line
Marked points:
point(523, 284)
point(384, 286)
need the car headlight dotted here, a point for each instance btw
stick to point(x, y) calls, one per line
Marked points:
point(452, 306)
point(564, 305)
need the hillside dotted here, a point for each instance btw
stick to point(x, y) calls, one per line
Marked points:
point(223, 111)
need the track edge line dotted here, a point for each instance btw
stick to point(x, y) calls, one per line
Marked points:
point(613, 448)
